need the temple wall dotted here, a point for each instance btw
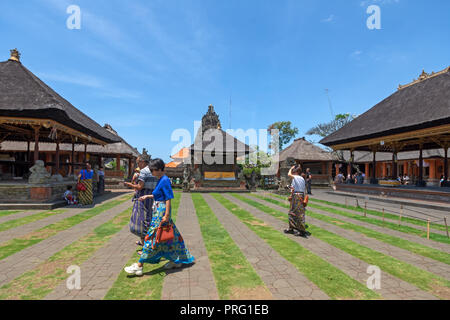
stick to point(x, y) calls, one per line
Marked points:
point(11, 192)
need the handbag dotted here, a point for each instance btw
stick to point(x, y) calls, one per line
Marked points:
point(305, 201)
point(81, 186)
point(163, 234)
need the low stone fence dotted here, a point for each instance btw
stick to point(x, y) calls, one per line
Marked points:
point(20, 192)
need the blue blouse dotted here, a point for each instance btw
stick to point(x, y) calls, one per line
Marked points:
point(86, 175)
point(163, 190)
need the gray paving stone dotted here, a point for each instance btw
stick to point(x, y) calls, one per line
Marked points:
point(195, 282)
point(30, 257)
point(269, 259)
point(336, 257)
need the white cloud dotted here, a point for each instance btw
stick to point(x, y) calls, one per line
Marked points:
point(329, 19)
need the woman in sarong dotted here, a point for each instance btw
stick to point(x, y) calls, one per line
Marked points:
point(86, 196)
point(173, 250)
point(297, 209)
point(144, 184)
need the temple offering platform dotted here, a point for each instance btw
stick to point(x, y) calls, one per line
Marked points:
point(432, 194)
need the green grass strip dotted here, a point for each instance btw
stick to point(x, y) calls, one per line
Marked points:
point(331, 280)
point(36, 284)
point(385, 224)
point(424, 280)
point(231, 269)
point(374, 213)
point(8, 212)
point(148, 287)
point(25, 220)
point(15, 245)
point(395, 241)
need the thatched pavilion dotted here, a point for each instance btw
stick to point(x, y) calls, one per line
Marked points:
point(30, 111)
point(415, 118)
point(310, 156)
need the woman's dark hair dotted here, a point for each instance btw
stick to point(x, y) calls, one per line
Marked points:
point(297, 169)
point(69, 187)
point(157, 164)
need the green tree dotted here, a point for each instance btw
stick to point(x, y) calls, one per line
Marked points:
point(287, 132)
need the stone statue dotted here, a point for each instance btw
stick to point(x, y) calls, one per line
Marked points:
point(39, 175)
point(197, 175)
point(253, 180)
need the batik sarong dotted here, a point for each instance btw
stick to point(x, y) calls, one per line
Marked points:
point(86, 197)
point(173, 250)
point(141, 216)
point(297, 213)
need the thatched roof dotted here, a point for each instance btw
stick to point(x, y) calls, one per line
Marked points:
point(24, 95)
point(423, 104)
point(120, 148)
point(303, 150)
point(219, 141)
point(363, 157)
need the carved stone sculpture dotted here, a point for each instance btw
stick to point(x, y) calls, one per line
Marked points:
point(39, 175)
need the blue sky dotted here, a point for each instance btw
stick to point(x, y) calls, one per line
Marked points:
point(150, 67)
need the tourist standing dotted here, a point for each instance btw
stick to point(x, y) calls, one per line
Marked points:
point(308, 180)
point(141, 216)
point(86, 196)
point(173, 250)
point(101, 180)
point(297, 209)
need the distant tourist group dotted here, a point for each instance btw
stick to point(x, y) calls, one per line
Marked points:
point(88, 179)
point(300, 189)
point(151, 218)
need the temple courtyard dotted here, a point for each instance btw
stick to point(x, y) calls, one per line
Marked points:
point(240, 249)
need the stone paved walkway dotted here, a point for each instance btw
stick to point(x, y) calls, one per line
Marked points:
point(24, 260)
point(100, 271)
point(195, 282)
point(282, 279)
point(433, 266)
point(19, 215)
point(391, 287)
point(403, 223)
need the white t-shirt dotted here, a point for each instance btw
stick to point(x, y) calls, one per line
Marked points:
point(298, 183)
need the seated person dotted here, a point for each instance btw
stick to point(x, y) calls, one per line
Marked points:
point(69, 197)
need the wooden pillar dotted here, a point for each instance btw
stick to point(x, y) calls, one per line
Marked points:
point(405, 167)
point(374, 165)
point(118, 162)
point(446, 162)
point(130, 167)
point(330, 169)
point(366, 170)
point(48, 158)
point(432, 169)
point(394, 165)
point(384, 172)
point(36, 144)
point(349, 167)
point(337, 168)
point(324, 168)
point(57, 157)
point(85, 153)
point(73, 158)
point(28, 151)
point(420, 164)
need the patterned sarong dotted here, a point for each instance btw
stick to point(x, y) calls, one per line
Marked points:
point(86, 197)
point(297, 213)
point(141, 216)
point(174, 250)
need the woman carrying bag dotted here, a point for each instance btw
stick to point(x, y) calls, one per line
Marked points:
point(163, 239)
point(84, 186)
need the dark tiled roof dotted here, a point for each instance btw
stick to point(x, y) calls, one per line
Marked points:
point(421, 105)
point(228, 143)
point(22, 94)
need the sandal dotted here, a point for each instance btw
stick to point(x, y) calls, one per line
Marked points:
point(139, 243)
point(139, 252)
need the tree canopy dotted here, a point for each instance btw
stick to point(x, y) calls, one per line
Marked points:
point(287, 131)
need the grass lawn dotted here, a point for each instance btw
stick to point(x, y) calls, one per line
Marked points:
point(232, 272)
point(39, 282)
point(148, 287)
point(374, 213)
point(385, 224)
point(8, 212)
point(331, 280)
point(25, 220)
point(422, 279)
point(15, 245)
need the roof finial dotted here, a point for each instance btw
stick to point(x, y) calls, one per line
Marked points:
point(15, 55)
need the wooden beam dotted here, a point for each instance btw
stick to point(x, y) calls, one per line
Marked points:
point(421, 133)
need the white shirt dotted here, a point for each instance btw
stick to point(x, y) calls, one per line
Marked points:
point(298, 183)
